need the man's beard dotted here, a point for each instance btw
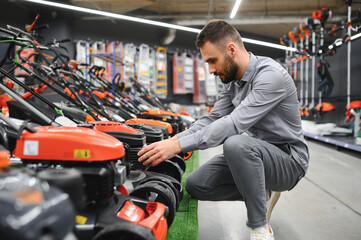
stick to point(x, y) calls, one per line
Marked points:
point(230, 70)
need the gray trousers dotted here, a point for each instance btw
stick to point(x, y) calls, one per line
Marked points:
point(247, 167)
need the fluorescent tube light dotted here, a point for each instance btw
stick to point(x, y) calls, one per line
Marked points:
point(151, 22)
point(235, 8)
point(115, 15)
point(268, 44)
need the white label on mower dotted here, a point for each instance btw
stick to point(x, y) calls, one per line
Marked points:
point(130, 210)
point(31, 148)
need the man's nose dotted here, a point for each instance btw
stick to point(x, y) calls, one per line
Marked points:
point(212, 69)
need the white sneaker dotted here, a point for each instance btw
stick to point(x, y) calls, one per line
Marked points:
point(262, 233)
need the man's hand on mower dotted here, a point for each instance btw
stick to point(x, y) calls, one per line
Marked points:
point(158, 152)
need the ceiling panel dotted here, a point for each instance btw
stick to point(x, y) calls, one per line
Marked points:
point(254, 16)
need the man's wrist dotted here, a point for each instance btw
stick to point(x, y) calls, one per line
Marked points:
point(175, 137)
point(177, 146)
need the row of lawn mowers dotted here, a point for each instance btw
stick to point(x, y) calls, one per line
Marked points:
point(69, 169)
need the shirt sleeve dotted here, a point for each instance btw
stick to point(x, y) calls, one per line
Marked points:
point(268, 89)
point(223, 106)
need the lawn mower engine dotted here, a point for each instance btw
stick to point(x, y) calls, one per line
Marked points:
point(102, 213)
point(174, 119)
point(164, 126)
point(134, 136)
point(133, 139)
point(174, 167)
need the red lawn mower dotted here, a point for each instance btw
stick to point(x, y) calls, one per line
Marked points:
point(101, 212)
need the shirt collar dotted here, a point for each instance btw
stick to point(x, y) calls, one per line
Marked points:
point(250, 68)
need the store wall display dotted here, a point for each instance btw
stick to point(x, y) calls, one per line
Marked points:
point(115, 64)
point(179, 82)
point(200, 90)
point(327, 80)
point(144, 62)
point(161, 72)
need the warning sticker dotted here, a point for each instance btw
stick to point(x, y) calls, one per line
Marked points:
point(81, 153)
point(80, 219)
point(31, 148)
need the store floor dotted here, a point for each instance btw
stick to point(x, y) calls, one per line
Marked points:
point(325, 205)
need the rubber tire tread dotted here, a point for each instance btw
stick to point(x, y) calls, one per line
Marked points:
point(168, 168)
point(179, 160)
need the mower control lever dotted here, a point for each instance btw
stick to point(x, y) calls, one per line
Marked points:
point(18, 129)
point(8, 32)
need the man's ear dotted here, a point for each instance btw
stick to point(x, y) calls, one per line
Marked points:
point(231, 49)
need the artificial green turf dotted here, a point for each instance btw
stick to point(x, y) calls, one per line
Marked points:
point(185, 224)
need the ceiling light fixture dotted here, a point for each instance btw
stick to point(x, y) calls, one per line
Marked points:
point(235, 8)
point(151, 22)
point(115, 15)
point(268, 44)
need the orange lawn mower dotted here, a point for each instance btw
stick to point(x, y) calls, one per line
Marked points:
point(101, 212)
point(134, 140)
point(77, 115)
point(174, 166)
point(15, 32)
point(70, 114)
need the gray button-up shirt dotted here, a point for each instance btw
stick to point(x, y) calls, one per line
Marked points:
point(263, 103)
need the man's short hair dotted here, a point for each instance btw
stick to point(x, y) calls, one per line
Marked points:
point(218, 32)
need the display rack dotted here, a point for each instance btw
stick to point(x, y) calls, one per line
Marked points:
point(188, 72)
point(114, 67)
point(143, 65)
point(130, 58)
point(111, 57)
point(211, 86)
point(199, 95)
point(161, 84)
point(343, 142)
point(179, 86)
